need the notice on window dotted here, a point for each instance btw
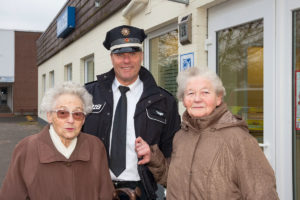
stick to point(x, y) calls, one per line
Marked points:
point(297, 100)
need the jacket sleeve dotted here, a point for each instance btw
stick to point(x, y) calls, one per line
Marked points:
point(159, 165)
point(13, 186)
point(172, 126)
point(256, 178)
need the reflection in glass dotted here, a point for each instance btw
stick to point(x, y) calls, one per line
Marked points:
point(240, 66)
point(163, 60)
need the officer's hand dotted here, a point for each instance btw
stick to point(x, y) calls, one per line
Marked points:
point(143, 151)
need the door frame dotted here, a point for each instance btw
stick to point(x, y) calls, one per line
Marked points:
point(234, 13)
point(278, 26)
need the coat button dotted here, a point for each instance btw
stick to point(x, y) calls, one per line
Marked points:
point(109, 90)
point(68, 164)
point(149, 101)
point(108, 113)
point(105, 77)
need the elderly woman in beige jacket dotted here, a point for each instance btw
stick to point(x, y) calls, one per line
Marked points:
point(60, 162)
point(214, 156)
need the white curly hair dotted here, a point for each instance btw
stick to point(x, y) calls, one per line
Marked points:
point(184, 77)
point(49, 99)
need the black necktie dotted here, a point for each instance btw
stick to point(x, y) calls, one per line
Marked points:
point(117, 160)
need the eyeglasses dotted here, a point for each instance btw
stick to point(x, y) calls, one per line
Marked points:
point(63, 114)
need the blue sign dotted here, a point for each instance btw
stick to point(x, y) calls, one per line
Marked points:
point(186, 61)
point(65, 22)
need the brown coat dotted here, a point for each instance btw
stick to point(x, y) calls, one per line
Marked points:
point(38, 171)
point(215, 158)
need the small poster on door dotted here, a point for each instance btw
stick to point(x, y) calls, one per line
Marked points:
point(297, 99)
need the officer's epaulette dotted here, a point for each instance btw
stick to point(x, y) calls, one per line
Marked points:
point(90, 82)
point(165, 91)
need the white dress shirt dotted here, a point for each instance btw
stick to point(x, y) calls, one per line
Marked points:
point(61, 148)
point(133, 96)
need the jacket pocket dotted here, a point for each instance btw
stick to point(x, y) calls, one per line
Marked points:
point(156, 115)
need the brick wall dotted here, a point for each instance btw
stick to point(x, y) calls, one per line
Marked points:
point(25, 93)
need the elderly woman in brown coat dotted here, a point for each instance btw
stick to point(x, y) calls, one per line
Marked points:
point(214, 156)
point(60, 162)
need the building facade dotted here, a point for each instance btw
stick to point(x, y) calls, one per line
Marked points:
point(18, 72)
point(252, 44)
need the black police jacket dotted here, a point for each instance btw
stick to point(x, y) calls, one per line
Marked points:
point(156, 117)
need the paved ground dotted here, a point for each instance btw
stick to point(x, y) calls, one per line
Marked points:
point(12, 130)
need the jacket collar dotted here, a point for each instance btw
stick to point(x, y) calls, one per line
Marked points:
point(48, 153)
point(146, 77)
point(218, 119)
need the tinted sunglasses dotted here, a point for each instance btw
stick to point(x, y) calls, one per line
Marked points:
point(63, 114)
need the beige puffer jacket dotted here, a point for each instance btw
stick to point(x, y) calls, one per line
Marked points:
point(215, 158)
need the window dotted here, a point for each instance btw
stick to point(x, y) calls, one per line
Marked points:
point(240, 66)
point(68, 72)
point(89, 69)
point(43, 84)
point(51, 79)
point(163, 57)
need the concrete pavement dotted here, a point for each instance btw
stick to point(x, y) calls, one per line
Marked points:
point(12, 130)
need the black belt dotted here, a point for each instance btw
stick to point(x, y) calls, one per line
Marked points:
point(128, 184)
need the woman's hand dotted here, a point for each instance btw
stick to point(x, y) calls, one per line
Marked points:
point(143, 151)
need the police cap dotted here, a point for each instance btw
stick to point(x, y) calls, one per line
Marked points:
point(123, 39)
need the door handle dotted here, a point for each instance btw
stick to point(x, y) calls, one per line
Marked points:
point(263, 145)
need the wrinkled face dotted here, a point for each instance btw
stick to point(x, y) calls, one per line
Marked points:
point(200, 98)
point(67, 126)
point(127, 66)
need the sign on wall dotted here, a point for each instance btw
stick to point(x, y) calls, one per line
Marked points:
point(186, 61)
point(65, 22)
point(185, 30)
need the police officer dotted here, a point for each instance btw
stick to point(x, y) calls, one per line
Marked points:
point(128, 104)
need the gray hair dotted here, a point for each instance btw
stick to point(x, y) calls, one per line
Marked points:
point(184, 77)
point(49, 99)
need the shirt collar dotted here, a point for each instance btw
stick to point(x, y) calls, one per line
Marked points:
point(132, 86)
point(65, 151)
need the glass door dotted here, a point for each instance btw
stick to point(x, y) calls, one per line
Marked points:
point(240, 49)
point(240, 66)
